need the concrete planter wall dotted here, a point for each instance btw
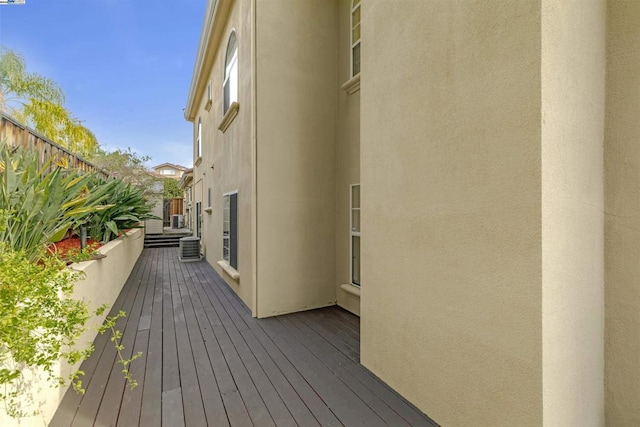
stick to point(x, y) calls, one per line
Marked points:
point(102, 283)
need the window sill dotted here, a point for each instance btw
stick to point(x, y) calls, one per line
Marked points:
point(232, 272)
point(231, 114)
point(198, 161)
point(352, 85)
point(351, 289)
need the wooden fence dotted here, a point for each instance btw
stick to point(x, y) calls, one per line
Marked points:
point(16, 134)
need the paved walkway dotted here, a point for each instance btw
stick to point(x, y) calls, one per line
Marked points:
point(207, 362)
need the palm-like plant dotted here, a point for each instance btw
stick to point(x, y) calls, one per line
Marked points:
point(39, 101)
point(42, 202)
point(125, 208)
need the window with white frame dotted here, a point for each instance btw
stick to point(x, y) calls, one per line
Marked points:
point(230, 229)
point(199, 139)
point(167, 172)
point(230, 88)
point(355, 37)
point(355, 234)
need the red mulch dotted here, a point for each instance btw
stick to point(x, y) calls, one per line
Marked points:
point(64, 245)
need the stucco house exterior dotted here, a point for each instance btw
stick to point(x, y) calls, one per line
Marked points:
point(489, 154)
point(169, 170)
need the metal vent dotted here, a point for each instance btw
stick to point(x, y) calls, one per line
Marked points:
point(190, 249)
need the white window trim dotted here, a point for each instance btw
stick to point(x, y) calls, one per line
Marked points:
point(354, 44)
point(230, 71)
point(353, 233)
point(199, 143)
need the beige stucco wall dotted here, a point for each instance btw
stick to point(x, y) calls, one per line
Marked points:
point(347, 158)
point(451, 207)
point(622, 222)
point(296, 130)
point(226, 156)
point(103, 280)
point(573, 75)
point(155, 226)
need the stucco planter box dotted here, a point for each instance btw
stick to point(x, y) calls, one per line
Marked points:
point(102, 282)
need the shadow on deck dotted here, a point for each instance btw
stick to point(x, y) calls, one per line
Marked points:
point(208, 362)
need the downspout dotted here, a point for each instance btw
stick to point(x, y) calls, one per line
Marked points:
point(254, 160)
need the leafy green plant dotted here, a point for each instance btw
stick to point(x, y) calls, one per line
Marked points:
point(39, 102)
point(42, 202)
point(116, 338)
point(125, 208)
point(171, 189)
point(79, 255)
point(39, 321)
point(128, 166)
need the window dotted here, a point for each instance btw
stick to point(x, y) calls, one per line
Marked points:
point(167, 172)
point(199, 139)
point(230, 73)
point(199, 219)
point(355, 234)
point(355, 37)
point(230, 229)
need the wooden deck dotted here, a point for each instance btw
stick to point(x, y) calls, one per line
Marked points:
point(208, 362)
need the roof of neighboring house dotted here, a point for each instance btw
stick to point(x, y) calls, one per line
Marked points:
point(187, 178)
point(171, 165)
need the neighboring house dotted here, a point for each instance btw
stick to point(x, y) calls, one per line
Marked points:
point(186, 185)
point(488, 152)
point(169, 170)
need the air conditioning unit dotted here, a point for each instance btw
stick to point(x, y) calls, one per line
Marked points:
point(180, 221)
point(190, 249)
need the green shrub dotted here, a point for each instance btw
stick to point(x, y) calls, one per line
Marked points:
point(39, 321)
point(42, 202)
point(125, 207)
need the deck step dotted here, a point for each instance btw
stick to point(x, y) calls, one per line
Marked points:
point(163, 240)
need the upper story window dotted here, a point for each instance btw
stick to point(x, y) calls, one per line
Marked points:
point(355, 37)
point(167, 172)
point(231, 73)
point(199, 139)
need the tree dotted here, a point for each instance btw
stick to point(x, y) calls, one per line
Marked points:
point(39, 102)
point(127, 165)
point(171, 189)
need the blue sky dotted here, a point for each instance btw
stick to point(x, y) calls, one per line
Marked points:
point(124, 65)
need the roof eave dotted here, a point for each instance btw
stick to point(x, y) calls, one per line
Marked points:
point(217, 13)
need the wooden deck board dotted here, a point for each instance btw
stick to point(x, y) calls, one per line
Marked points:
point(207, 361)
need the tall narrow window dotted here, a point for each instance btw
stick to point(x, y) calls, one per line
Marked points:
point(355, 37)
point(230, 229)
point(355, 234)
point(198, 219)
point(231, 73)
point(199, 140)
